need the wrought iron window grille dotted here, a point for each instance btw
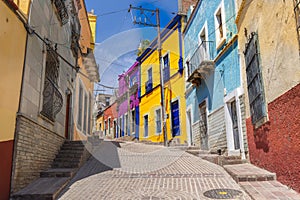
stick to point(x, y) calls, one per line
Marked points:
point(61, 11)
point(52, 98)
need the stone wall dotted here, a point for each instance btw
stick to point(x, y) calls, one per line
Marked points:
point(217, 130)
point(35, 149)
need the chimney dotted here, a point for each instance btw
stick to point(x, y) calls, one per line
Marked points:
point(184, 5)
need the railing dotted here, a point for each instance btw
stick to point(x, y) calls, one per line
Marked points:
point(202, 53)
point(148, 86)
point(52, 100)
point(61, 11)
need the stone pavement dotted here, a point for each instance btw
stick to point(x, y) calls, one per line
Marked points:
point(138, 171)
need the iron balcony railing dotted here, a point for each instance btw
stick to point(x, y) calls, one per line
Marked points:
point(202, 53)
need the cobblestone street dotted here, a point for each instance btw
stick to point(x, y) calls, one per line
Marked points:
point(138, 171)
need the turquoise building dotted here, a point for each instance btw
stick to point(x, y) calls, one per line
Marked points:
point(214, 94)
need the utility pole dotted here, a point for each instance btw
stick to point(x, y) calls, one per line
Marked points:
point(147, 22)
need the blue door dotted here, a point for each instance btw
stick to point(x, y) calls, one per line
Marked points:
point(137, 123)
point(175, 118)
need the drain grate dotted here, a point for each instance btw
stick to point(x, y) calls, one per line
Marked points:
point(222, 193)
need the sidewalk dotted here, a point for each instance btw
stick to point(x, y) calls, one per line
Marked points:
point(260, 184)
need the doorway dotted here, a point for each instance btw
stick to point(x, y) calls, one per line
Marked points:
point(175, 118)
point(203, 126)
point(235, 130)
point(68, 116)
point(190, 128)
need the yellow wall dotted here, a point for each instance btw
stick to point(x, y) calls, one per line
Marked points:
point(12, 40)
point(100, 120)
point(93, 20)
point(174, 90)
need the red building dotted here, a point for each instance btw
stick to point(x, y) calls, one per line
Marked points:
point(110, 116)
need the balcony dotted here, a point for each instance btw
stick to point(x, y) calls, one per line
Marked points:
point(201, 63)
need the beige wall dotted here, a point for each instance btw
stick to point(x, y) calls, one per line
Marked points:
point(12, 40)
point(274, 21)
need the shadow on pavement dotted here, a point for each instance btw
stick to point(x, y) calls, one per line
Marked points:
point(104, 158)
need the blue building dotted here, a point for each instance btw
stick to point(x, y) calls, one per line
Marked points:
point(214, 94)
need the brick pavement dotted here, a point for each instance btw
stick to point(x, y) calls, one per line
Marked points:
point(138, 171)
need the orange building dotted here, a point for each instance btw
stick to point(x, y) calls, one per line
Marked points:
point(88, 74)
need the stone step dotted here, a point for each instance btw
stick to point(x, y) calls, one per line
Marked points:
point(75, 142)
point(234, 162)
point(72, 148)
point(42, 189)
point(65, 165)
point(68, 159)
point(197, 152)
point(58, 172)
point(70, 151)
point(269, 190)
point(249, 172)
point(67, 155)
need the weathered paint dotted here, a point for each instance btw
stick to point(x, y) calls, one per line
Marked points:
point(274, 144)
point(132, 74)
point(174, 88)
point(224, 79)
point(12, 51)
point(110, 113)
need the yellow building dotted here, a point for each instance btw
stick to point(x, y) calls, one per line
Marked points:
point(93, 21)
point(12, 52)
point(88, 75)
point(151, 122)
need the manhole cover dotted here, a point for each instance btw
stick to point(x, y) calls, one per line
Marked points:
point(223, 193)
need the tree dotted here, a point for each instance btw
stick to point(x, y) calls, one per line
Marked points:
point(142, 47)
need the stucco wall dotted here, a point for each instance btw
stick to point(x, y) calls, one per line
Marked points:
point(278, 44)
point(46, 24)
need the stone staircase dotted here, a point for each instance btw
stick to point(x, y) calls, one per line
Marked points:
point(71, 156)
point(216, 158)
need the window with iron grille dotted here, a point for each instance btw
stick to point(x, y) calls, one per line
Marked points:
point(158, 120)
point(254, 80)
point(52, 98)
point(61, 11)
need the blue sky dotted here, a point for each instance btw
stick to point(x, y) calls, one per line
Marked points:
point(117, 38)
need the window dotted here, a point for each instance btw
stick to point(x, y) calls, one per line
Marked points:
point(89, 113)
point(126, 125)
point(107, 99)
point(146, 126)
point(166, 68)
point(204, 44)
point(220, 25)
point(61, 11)
point(100, 126)
point(108, 126)
point(85, 113)
point(254, 80)
point(132, 121)
point(105, 127)
point(149, 83)
point(80, 99)
point(52, 98)
point(158, 120)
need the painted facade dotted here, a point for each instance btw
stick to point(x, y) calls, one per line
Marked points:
point(49, 73)
point(13, 44)
point(271, 52)
point(151, 126)
point(128, 102)
point(214, 96)
point(84, 82)
point(109, 121)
